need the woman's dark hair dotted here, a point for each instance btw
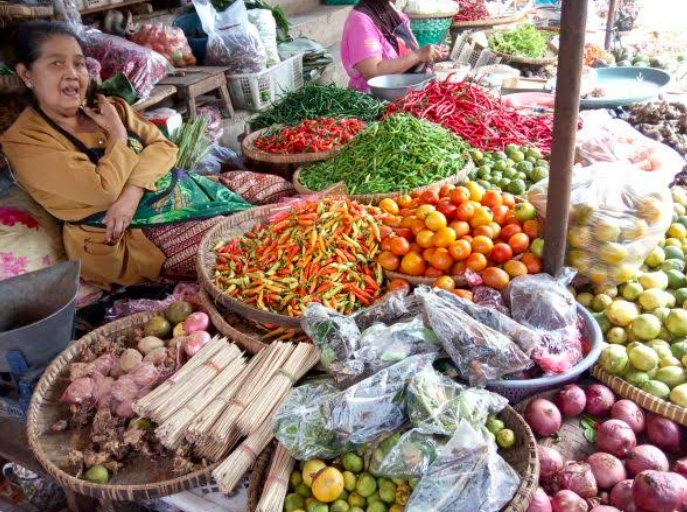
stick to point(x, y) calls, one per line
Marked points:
point(384, 15)
point(28, 38)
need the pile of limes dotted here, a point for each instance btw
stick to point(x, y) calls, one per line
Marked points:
point(514, 170)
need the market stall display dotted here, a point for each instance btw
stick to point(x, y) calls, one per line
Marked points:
point(168, 41)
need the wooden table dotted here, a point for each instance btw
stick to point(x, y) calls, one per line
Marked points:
point(194, 81)
point(159, 94)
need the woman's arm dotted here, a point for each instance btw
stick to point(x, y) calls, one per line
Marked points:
point(376, 66)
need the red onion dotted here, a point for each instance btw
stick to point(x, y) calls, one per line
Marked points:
point(195, 341)
point(571, 400)
point(79, 391)
point(615, 437)
point(600, 399)
point(656, 491)
point(568, 501)
point(540, 502)
point(630, 413)
point(197, 321)
point(607, 469)
point(664, 433)
point(604, 508)
point(578, 478)
point(680, 467)
point(543, 417)
point(645, 457)
point(550, 462)
point(621, 496)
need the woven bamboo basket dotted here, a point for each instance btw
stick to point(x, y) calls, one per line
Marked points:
point(641, 398)
point(550, 58)
point(430, 28)
point(522, 457)
point(491, 22)
point(141, 477)
point(256, 482)
point(375, 198)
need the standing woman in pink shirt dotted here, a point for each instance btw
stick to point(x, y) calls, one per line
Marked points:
point(377, 41)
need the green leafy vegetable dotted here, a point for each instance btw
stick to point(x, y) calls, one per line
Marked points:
point(192, 143)
point(524, 41)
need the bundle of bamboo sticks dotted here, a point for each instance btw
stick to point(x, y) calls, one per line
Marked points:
point(277, 481)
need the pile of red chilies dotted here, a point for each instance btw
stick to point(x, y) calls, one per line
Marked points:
point(471, 10)
point(310, 136)
point(482, 120)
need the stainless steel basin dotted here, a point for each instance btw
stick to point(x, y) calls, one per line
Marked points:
point(392, 87)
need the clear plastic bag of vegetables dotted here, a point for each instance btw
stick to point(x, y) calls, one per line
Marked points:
point(479, 352)
point(299, 424)
point(404, 454)
point(618, 214)
point(467, 476)
point(169, 42)
point(393, 307)
point(374, 406)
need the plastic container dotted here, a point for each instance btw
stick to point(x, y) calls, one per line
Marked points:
point(257, 91)
point(517, 390)
point(193, 30)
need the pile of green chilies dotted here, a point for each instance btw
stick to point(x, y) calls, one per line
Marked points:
point(315, 101)
point(398, 154)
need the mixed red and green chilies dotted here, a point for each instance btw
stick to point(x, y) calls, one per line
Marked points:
point(310, 136)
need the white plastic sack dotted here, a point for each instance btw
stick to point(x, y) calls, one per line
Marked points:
point(430, 7)
point(267, 28)
point(233, 41)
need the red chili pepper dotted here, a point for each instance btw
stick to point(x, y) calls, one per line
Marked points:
point(310, 136)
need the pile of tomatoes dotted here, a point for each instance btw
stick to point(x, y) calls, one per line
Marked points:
point(443, 233)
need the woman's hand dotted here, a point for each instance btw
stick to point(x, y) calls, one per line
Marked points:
point(122, 211)
point(107, 117)
point(432, 53)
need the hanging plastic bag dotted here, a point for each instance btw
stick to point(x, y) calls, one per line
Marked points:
point(169, 42)
point(407, 454)
point(618, 214)
point(264, 21)
point(479, 352)
point(468, 476)
point(232, 40)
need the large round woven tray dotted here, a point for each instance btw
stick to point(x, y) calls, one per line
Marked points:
point(551, 58)
point(522, 456)
point(491, 22)
point(641, 398)
point(251, 152)
point(375, 198)
point(141, 477)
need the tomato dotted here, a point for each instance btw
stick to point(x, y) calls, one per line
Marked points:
point(482, 217)
point(445, 283)
point(392, 221)
point(386, 244)
point(427, 253)
point(389, 206)
point(492, 198)
point(413, 264)
point(501, 253)
point(417, 226)
point(466, 237)
point(460, 249)
point(531, 228)
point(460, 195)
point(424, 238)
point(465, 211)
point(459, 268)
point(399, 285)
point(476, 191)
point(445, 190)
point(388, 260)
point(415, 194)
point(482, 245)
point(461, 227)
point(443, 202)
point(444, 237)
point(449, 211)
point(477, 262)
point(483, 231)
point(435, 221)
point(510, 230)
point(406, 212)
point(508, 199)
point(463, 294)
point(407, 221)
point(430, 196)
point(441, 259)
point(500, 212)
point(519, 242)
point(495, 278)
point(400, 246)
point(525, 211)
point(404, 201)
point(533, 263)
point(495, 230)
point(385, 231)
point(415, 248)
point(515, 268)
point(404, 233)
point(424, 210)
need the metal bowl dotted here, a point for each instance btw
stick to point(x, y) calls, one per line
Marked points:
point(392, 87)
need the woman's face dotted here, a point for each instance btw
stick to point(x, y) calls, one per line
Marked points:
point(59, 77)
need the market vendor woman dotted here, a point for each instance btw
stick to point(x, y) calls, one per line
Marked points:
point(102, 169)
point(377, 41)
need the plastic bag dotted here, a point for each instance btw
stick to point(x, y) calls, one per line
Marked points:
point(374, 406)
point(618, 215)
point(489, 298)
point(391, 308)
point(430, 7)
point(232, 40)
point(604, 139)
point(217, 159)
point(128, 307)
point(544, 304)
point(214, 129)
point(142, 67)
point(479, 352)
point(264, 21)
point(299, 424)
point(169, 42)
point(468, 476)
point(406, 454)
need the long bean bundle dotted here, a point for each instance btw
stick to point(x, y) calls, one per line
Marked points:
point(316, 101)
point(395, 155)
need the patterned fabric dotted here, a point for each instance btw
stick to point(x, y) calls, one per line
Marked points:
point(42, 493)
point(257, 188)
point(180, 244)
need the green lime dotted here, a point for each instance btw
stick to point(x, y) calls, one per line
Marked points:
point(97, 474)
point(539, 173)
point(303, 490)
point(637, 378)
point(534, 153)
point(377, 506)
point(349, 481)
point(476, 155)
point(671, 376)
point(356, 500)
point(603, 321)
point(525, 167)
point(504, 183)
point(352, 462)
point(679, 347)
point(656, 388)
point(509, 173)
point(484, 183)
point(613, 359)
point(521, 176)
point(339, 506)
point(495, 425)
point(585, 298)
point(484, 171)
point(682, 219)
point(373, 499)
point(505, 438)
point(517, 187)
point(632, 291)
point(366, 485)
point(616, 336)
point(496, 177)
point(294, 502)
point(296, 479)
point(676, 279)
point(674, 253)
point(500, 155)
point(642, 357)
point(387, 492)
point(500, 166)
point(516, 156)
point(673, 264)
point(601, 302)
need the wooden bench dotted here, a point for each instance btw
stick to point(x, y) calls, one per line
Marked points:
point(195, 81)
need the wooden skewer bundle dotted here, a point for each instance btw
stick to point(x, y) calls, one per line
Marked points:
point(277, 482)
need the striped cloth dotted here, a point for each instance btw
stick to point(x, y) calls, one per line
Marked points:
point(257, 188)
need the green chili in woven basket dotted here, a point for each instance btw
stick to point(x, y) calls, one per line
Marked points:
point(430, 30)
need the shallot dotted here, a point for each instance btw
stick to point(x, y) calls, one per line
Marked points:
point(680, 467)
point(656, 491)
point(130, 359)
point(630, 413)
point(195, 341)
point(156, 357)
point(664, 433)
point(645, 457)
point(150, 343)
point(621, 496)
point(105, 363)
point(571, 400)
point(79, 391)
point(608, 470)
point(604, 508)
point(578, 478)
point(615, 437)
point(600, 399)
point(550, 462)
point(543, 417)
point(568, 501)
point(197, 321)
point(540, 502)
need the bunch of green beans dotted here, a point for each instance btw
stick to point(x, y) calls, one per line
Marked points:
point(315, 101)
point(398, 154)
